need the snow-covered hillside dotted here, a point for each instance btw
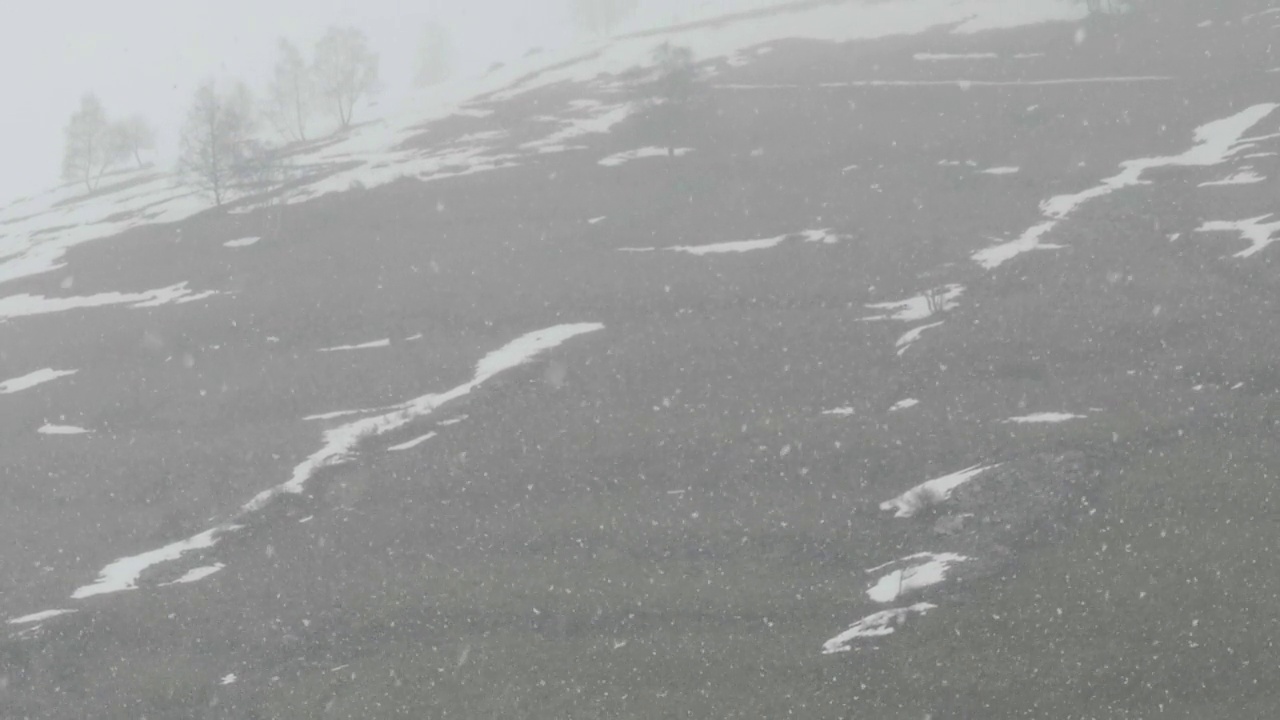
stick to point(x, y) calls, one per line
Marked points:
point(510, 403)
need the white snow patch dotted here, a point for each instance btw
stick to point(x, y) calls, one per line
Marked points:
point(196, 574)
point(39, 616)
point(344, 413)
point(242, 242)
point(1215, 142)
point(30, 380)
point(645, 152)
point(123, 574)
point(826, 237)
point(1044, 417)
point(601, 121)
point(227, 679)
point(1258, 234)
point(1002, 170)
point(24, 305)
point(913, 576)
point(340, 442)
point(961, 83)
point(1244, 177)
point(51, 429)
point(874, 625)
point(385, 342)
point(931, 492)
point(955, 56)
point(412, 443)
point(452, 421)
point(839, 412)
point(595, 220)
point(908, 338)
point(904, 404)
point(920, 307)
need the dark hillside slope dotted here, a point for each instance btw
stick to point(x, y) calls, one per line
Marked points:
point(673, 492)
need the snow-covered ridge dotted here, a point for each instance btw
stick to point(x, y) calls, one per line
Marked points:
point(36, 232)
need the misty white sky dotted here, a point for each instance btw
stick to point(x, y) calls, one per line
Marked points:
point(147, 56)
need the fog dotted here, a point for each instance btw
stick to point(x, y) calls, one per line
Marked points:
point(147, 56)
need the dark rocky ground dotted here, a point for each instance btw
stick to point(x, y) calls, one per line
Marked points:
point(656, 520)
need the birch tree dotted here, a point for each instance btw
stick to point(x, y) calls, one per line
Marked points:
point(91, 146)
point(216, 139)
point(292, 94)
point(345, 70)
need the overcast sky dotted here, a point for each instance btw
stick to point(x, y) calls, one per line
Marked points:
point(147, 56)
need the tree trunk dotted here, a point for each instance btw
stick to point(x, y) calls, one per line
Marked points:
point(297, 112)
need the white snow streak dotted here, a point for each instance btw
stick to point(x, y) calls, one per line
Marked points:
point(123, 574)
point(826, 237)
point(913, 577)
point(955, 56)
point(645, 152)
point(931, 492)
point(1244, 177)
point(412, 443)
point(196, 574)
point(16, 306)
point(1215, 142)
point(242, 242)
point(385, 342)
point(1258, 234)
point(30, 380)
point(904, 404)
point(1044, 417)
point(908, 338)
point(51, 429)
point(39, 616)
point(1004, 170)
point(874, 625)
point(339, 446)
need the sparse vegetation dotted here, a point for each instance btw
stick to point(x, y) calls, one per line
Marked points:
point(134, 134)
point(92, 144)
point(346, 70)
point(218, 153)
point(291, 96)
point(936, 300)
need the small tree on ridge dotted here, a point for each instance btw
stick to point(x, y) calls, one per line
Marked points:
point(216, 139)
point(345, 70)
point(91, 146)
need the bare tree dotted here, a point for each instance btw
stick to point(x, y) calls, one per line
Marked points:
point(292, 94)
point(600, 17)
point(216, 139)
point(345, 70)
point(135, 134)
point(91, 144)
point(435, 55)
point(670, 90)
